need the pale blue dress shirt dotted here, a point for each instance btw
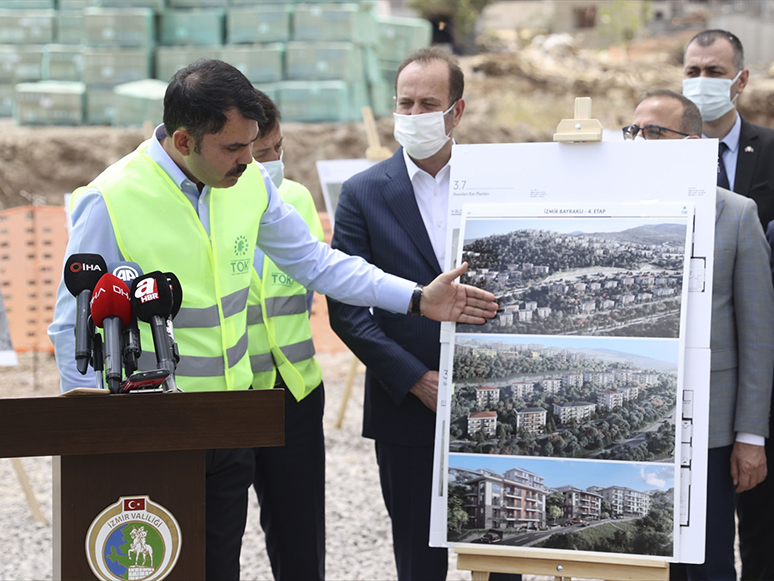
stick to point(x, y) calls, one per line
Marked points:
point(732, 152)
point(283, 236)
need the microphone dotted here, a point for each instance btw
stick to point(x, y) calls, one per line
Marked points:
point(97, 361)
point(111, 309)
point(152, 302)
point(177, 299)
point(81, 274)
point(127, 272)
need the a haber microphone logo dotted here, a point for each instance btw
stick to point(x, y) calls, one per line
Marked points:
point(147, 290)
point(79, 266)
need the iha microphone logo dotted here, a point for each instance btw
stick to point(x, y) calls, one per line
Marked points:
point(147, 290)
point(85, 266)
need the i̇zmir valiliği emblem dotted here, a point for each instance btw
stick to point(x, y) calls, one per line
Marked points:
point(135, 538)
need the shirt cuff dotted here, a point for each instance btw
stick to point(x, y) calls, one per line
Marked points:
point(395, 295)
point(753, 439)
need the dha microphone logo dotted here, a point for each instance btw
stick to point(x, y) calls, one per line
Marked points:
point(126, 273)
point(147, 290)
point(79, 266)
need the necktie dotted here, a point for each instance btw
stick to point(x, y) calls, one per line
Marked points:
point(722, 176)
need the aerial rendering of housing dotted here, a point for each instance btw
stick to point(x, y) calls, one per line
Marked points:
point(628, 510)
point(552, 278)
point(564, 397)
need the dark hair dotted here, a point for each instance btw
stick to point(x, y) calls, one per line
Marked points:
point(272, 113)
point(199, 95)
point(436, 53)
point(708, 37)
point(691, 122)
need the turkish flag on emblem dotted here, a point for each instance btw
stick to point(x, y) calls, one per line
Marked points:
point(134, 504)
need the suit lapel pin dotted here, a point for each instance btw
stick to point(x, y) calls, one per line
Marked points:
point(749, 149)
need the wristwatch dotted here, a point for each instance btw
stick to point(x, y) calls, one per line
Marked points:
point(416, 298)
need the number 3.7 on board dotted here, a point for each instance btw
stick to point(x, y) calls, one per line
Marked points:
point(459, 184)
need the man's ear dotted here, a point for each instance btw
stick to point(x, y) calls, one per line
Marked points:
point(183, 142)
point(742, 82)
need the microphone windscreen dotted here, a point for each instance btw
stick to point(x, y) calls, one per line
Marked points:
point(126, 271)
point(151, 296)
point(111, 299)
point(177, 292)
point(83, 271)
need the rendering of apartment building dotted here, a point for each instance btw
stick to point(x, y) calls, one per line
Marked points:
point(609, 399)
point(485, 422)
point(494, 501)
point(532, 420)
point(572, 380)
point(576, 410)
point(551, 385)
point(486, 396)
point(581, 503)
point(522, 388)
point(625, 501)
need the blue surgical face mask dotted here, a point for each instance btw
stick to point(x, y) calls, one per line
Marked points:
point(712, 96)
point(276, 170)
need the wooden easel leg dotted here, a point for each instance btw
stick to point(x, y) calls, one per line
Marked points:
point(479, 575)
point(347, 391)
point(32, 501)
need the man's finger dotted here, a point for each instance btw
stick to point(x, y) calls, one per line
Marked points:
point(450, 275)
point(470, 319)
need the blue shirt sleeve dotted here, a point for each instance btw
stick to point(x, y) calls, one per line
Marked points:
point(284, 237)
point(92, 232)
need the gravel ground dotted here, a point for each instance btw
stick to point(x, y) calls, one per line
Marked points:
point(359, 541)
point(358, 544)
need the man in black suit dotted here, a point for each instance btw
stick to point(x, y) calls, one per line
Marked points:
point(394, 215)
point(714, 77)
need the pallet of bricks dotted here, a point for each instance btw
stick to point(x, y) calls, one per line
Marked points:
point(70, 62)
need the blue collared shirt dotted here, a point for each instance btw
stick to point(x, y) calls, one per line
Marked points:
point(732, 152)
point(283, 236)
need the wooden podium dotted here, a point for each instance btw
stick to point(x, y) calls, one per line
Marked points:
point(111, 446)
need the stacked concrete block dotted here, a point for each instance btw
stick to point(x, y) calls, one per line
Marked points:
point(327, 59)
point(256, 24)
point(49, 103)
point(200, 27)
point(138, 102)
point(119, 49)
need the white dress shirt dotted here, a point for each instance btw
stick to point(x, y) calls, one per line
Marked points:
point(432, 195)
point(283, 236)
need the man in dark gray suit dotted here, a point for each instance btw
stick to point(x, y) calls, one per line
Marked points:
point(394, 215)
point(742, 341)
point(715, 77)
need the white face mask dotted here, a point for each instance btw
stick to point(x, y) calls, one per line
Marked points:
point(276, 170)
point(422, 136)
point(712, 96)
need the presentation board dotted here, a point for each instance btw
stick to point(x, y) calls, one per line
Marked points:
point(333, 173)
point(574, 398)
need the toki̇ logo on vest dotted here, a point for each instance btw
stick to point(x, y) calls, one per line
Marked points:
point(147, 290)
point(280, 278)
point(241, 250)
point(135, 538)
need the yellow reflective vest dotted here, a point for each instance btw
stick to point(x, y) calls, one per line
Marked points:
point(280, 336)
point(158, 228)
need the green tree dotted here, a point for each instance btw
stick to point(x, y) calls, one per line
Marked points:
point(455, 501)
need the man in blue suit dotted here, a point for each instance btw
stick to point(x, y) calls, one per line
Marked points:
point(394, 215)
point(742, 343)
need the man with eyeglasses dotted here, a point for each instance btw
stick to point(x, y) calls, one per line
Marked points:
point(713, 77)
point(742, 342)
